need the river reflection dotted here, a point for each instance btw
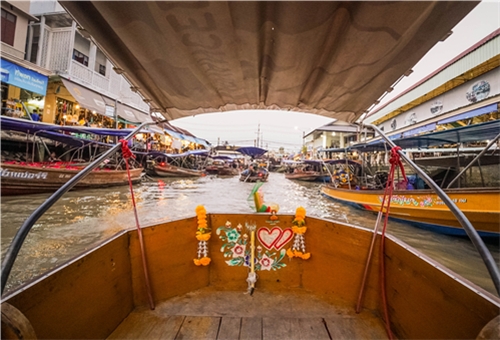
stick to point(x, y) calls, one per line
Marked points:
point(81, 219)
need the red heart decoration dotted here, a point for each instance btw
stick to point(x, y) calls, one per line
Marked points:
point(274, 238)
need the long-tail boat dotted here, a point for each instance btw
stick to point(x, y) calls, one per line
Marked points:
point(18, 178)
point(254, 276)
point(174, 165)
point(30, 176)
point(223, 166)
point(422, 207)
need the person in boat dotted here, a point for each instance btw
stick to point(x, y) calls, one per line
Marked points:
point(253, 169)
point(53, 157)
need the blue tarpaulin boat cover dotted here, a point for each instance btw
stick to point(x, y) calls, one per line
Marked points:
point(251, 151)
point(26, 126)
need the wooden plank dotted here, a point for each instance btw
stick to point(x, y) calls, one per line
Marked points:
point(251, 328)
point(229, 328)
point(167, 328)
point(135, 326)
point(311, 328)
point(279, 328)
point(371, 328)
point(195, 327)
point(342, 327)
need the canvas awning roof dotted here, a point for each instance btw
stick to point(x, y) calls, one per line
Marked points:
point(131, 114)
point(86, 98)
point(333, 58)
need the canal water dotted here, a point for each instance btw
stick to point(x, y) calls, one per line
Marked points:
point(80, 219)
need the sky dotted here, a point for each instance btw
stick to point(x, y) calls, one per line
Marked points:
point(276, 129)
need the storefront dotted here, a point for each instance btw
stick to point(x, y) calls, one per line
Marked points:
point(77, 105)
point(23, 91)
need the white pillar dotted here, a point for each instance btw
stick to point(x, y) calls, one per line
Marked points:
point(40, 41)
point(92, 56)
point(30, 43)
point(71, 46)
point(49, 51)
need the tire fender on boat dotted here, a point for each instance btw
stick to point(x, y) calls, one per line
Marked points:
point(491, 330)
point(15, 325)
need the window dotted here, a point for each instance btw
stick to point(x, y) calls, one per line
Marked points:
point(8, 27)
point(80, 57)
point(102, 69)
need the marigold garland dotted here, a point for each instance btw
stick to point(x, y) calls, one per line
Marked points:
point(299, 228)
point(202, 235)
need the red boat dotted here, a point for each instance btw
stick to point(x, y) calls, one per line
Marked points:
point(18, 178)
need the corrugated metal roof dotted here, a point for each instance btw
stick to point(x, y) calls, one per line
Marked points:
point(480, 52)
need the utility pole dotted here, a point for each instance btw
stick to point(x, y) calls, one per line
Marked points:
point(258, 136)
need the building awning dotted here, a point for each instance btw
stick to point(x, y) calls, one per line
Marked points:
point(425, 128)
point(470, 114)
point(86, 98)
point(131, 114)
point(174, 134)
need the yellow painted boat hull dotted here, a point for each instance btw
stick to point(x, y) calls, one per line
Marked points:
point(425, 209)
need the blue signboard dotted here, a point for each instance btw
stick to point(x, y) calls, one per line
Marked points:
point(21, 77)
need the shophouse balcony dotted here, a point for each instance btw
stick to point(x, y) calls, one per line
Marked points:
point(66, 52)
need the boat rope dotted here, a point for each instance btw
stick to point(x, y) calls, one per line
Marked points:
point(395, 162)
point(127, 153)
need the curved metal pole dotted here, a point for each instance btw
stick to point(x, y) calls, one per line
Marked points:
point(474, 160)
point(459, 215)
point(21, 234)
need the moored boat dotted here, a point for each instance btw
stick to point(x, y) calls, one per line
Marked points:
point(425, 209)
point(29, 178)
point(174, 165)
point(420, 206)
point(222, 166)
point(309, 171)
point(165, 169)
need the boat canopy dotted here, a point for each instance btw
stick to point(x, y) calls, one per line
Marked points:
point(331, 161)
point(70, 140)
point(228, 158)
point(252, 151)
point(332, 58)
point(175, 155)
point(27, 126)
point(30, 127)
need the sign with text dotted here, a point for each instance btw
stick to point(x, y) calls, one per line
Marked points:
point(22, 77)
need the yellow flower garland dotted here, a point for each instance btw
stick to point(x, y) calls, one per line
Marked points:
point(299, 228)
point(202, 235)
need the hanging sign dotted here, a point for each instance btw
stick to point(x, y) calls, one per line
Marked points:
point(110, 111)
point(22, 77)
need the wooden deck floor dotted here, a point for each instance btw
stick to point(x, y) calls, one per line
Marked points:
point(210, 314)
